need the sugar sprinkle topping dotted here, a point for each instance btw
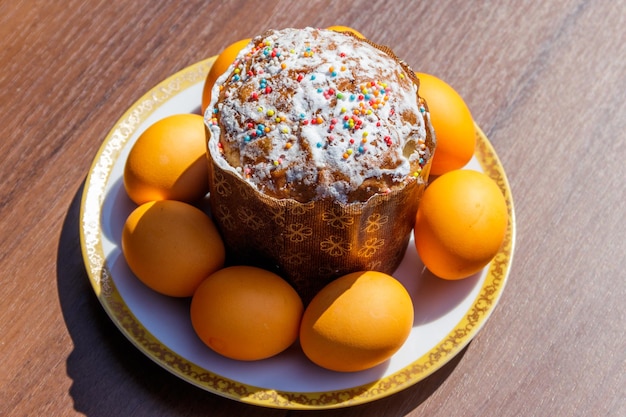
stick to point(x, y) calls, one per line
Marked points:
point(295, 95)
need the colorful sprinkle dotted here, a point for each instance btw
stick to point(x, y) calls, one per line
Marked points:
point(343, 114)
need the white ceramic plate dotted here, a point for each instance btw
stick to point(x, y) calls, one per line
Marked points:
point(448, 314)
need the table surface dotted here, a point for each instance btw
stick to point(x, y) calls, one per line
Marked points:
point(546, 81)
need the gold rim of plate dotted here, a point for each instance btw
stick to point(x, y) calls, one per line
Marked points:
point(112, 302)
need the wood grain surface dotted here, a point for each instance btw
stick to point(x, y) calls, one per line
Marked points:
point(546, 81)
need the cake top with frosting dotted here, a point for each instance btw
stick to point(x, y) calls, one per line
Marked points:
point(311, 114)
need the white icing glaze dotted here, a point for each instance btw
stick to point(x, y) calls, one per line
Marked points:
point(321, 128)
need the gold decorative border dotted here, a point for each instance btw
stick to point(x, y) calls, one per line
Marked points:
point(116, 308)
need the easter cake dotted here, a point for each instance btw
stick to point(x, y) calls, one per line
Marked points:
point(319, 149)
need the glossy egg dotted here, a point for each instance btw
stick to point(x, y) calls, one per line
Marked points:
point(452, 122)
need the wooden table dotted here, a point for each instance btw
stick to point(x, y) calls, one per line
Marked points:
point(546, 81)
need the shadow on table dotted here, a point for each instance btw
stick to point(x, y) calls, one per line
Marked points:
point(111, 377)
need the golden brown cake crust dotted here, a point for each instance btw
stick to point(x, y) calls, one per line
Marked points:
point(312, 114)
